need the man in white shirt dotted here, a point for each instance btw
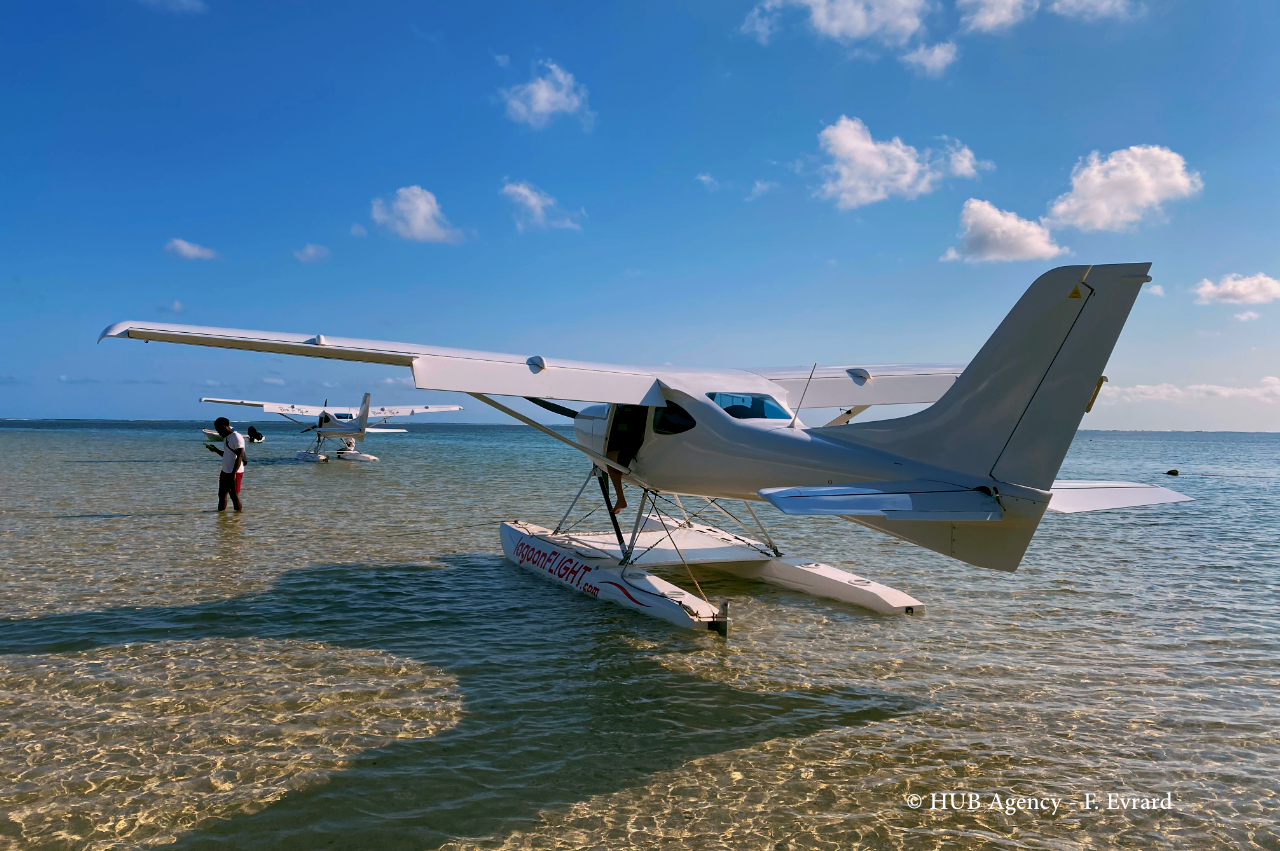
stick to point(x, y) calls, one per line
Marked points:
point(232, 464)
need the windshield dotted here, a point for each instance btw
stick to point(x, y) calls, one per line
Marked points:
point(749, 406)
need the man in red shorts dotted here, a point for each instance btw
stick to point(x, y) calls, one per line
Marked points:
point(232, 463)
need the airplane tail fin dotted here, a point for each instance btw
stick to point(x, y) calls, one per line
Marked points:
point(1013, 412)
point(362, 421)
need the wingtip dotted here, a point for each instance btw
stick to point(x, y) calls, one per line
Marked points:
point(119, 329)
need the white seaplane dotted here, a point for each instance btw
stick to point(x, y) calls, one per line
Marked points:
point(346, 425)
point(969, 477)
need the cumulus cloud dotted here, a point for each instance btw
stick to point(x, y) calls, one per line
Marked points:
point(358, 229)
point(998, 15)
point(994, 15)
point(502, 59)
point(1237, 289)
point(931, 61)
point(189, 250)
point(180, 6)
point(760, 188)
point(311, 253)
point(1093, 10)
point(415, 214)
point(891, 21)
point(1248, 316)
point(540, 100)
point(536, 209)
point(961, 161)
point(708, 181)
point(1268, 390)
point(1115, 193)
point(1155, 289)
point(863, 170)
point(989, 233)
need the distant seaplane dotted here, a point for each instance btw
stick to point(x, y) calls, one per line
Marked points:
point(969, 477)
point(346, 425)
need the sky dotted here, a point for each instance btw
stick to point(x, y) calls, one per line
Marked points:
point(718, 184)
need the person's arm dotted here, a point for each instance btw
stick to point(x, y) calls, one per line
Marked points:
point(241, 457)
point(213, 448)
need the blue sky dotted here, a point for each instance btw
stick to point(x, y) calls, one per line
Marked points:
point(709, 184)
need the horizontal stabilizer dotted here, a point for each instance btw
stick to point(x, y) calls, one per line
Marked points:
point(1074, 497)
point(910, 500)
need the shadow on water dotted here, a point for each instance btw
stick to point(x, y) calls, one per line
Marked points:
point(558, 705)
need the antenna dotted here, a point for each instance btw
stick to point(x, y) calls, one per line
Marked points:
point(796, 415)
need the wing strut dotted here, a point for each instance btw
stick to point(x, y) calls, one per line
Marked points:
point(600, 460)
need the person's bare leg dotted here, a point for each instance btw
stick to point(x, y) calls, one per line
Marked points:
point(235, 498)
point(616, 478)
point(223, 490)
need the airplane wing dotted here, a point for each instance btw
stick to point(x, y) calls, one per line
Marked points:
point(385, 411)
point(284, 407)
point(500, 374)
point(850, 386)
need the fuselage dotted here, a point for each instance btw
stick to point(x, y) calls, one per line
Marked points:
point(716, 454)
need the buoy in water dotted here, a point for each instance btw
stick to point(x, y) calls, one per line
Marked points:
point(1171, 473)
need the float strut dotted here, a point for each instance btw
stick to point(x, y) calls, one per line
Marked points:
point(613, 518)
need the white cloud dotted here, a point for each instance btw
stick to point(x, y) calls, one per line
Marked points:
point(358, 229)
point(399, 381)
point(536, 209)
point(1268, 390)
point(994, 15)
point(999, 15)
point(189, 6)
point(502, 59)
point(415, 214)
point(932, 61)
point(891, 21)
point(708, 181)
point(1248, 316)
point(961, 161)
point(864, 171)
point(311, 253)
point(1117, 192)
point(1155, 289)
point(541, 99)
point(1092, 10)
point(189, 250)
point(278, 381)
point(989, 233)
point(1237, 289)
point(760, 189)
point(174, 307)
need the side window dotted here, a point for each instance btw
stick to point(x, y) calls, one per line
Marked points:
point(672, 419)
point(749, 406)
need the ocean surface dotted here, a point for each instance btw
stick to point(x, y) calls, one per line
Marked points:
point(351, 663)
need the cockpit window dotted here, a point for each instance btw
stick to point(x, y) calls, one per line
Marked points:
point(672, 419)
point(749, 406)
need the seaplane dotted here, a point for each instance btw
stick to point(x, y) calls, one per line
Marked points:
point(348, 426)
point(969, 477)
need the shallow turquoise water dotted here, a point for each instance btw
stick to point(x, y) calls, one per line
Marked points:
point(352, 664)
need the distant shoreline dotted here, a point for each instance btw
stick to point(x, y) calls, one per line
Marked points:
point(10, 422)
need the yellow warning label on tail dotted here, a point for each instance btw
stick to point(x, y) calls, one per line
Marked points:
point(1075, 293)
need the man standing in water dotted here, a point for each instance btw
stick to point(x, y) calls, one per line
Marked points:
point(232, 463)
